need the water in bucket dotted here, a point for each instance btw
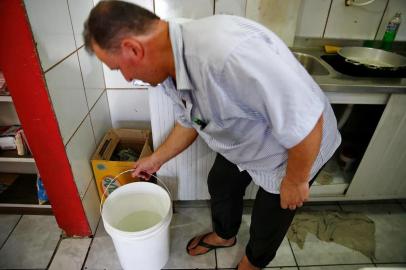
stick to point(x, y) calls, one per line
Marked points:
point(138, 221)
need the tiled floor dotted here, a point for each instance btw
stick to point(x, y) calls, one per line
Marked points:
point(34, 242)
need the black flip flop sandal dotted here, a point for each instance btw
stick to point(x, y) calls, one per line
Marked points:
point(205, 245)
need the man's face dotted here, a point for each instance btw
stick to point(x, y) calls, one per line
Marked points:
point(132, 67)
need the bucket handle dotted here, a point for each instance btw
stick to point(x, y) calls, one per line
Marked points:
point(123, 172)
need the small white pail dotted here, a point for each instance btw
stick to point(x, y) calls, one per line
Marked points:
point(137, 217)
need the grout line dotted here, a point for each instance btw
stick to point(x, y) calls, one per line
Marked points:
point(90, 245)
point(84, 118)
point(11, 232)
point(54, 253)
point(328, 15)
point(293, 253)
point(60, 61)
point(380, 22)
point(343, 264)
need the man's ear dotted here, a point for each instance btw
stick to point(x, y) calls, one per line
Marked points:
point(132, 49)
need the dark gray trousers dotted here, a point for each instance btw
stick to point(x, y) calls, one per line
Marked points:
point(269, 222)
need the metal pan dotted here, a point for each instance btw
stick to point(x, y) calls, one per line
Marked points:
point(373, 58)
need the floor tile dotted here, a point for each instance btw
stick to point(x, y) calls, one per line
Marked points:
point(274, 268)
point(7, 224)
point(71, 254)
point(336, 267)
point(283, 268)
point(31, 244)
point(318, 252)
point(187, 223)
point(392, 265)
point(390, 233)
point(102, 254)
point(229, 257)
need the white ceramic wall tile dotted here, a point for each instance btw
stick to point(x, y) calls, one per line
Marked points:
point(148, 4)
point(91, 204)
point(51, 25)
point(393, 7)
point(195, 9)
point(100, 116)
point(92, 74)
point(231, 7)
point(65, 87)
point(71, 254)
point(79, 150)
point(278, 15)
point(312, 18)
point(31, 244)
point(129, 108)
point(114, 79)
point(354, 22)
point(79, 10)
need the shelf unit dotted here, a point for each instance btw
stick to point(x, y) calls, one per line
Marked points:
point(11, 162)
point(6, 99)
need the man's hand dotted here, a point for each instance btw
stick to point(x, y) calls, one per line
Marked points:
point(294, 189)
point(144, 167)
point(178, 140)
point(293, 195)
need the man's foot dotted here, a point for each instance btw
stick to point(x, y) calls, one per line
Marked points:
point(204, 243)
point(246, 265)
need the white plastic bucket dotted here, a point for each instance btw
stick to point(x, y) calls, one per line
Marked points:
point(146, 249)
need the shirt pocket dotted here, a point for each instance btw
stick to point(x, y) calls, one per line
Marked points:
point(220, 139)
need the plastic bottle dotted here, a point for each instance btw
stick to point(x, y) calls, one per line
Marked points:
point(391, 30)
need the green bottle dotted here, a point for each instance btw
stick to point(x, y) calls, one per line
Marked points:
point(391, 31)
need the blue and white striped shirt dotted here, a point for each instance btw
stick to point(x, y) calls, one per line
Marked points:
point(255, 99)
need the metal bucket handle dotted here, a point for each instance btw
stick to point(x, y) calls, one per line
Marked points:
point(126, 171)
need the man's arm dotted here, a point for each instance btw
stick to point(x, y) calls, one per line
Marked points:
point(294, 187)
point(178, 140)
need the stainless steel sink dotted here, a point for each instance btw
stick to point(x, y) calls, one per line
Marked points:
point(311, 64)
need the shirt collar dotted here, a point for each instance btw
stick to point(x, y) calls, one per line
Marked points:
point(182, 77)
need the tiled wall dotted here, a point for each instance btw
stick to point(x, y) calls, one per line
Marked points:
point(85, 109)
point(288, 18)
point(76, 87)
point(332, 19)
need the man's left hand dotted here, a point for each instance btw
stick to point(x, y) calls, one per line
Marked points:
point(292, 194)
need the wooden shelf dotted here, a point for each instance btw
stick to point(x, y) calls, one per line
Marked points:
point(11, 156)
point(19, 195)
point(25, 209)
point(6, 99)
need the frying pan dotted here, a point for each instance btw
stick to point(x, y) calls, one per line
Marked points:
point(372, 58)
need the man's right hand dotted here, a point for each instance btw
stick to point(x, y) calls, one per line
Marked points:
point(178, 140)
point(144, 167)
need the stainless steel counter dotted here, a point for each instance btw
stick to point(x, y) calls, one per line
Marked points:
point(331, 80)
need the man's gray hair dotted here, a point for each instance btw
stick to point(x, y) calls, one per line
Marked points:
point(110, 21)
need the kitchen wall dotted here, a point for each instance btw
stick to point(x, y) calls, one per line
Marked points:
point(76, 87)
point(288, 18)
point(88, 98)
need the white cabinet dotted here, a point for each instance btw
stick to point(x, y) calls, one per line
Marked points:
point(379, 171)
point(382, 171)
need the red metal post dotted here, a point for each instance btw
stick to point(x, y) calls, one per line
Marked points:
point(21, 67)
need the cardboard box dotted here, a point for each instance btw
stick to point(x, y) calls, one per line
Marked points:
point(105, 169)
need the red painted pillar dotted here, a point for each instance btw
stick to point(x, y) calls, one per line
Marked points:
point(21, 67)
